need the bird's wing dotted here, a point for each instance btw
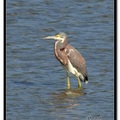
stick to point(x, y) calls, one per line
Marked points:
point(76, 59)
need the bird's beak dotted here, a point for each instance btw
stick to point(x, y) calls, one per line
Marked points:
point(50, 37)
point(54, 37)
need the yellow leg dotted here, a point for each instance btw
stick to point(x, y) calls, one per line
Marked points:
point(79, 83)
point(68, 81)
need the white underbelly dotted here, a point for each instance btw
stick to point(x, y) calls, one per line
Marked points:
point(72, 69)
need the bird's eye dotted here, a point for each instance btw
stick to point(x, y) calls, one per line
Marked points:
point(58, 35)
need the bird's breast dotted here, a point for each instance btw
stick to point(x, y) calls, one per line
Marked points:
point(60, 54)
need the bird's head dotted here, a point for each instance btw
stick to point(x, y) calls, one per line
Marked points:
point(60, 37)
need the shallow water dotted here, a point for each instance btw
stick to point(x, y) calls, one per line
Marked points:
point(36, 85)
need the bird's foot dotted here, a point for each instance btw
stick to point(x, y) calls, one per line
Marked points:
point(68, 86)
point(79, 86)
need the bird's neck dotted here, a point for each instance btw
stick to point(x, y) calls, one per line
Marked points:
point(60, 45)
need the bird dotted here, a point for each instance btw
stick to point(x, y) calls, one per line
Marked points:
point(70, 58)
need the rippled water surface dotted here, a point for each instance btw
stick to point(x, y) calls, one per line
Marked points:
point(36, 82)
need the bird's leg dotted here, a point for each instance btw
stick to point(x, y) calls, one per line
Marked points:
point(68, 81)
point(79, 83)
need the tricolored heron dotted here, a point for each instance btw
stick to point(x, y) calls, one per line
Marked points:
point(70, 58)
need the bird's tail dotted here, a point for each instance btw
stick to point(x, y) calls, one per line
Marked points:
point(85, 79)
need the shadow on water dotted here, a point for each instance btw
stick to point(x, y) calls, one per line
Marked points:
point(67, 98)
point(23, 83)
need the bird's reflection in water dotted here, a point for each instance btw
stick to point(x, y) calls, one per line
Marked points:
point(67, 98)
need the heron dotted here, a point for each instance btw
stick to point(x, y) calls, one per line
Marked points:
point(70, 58)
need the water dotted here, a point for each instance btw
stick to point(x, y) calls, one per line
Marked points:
point(36, 85)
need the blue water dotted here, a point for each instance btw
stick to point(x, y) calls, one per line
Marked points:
point(36, 82)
